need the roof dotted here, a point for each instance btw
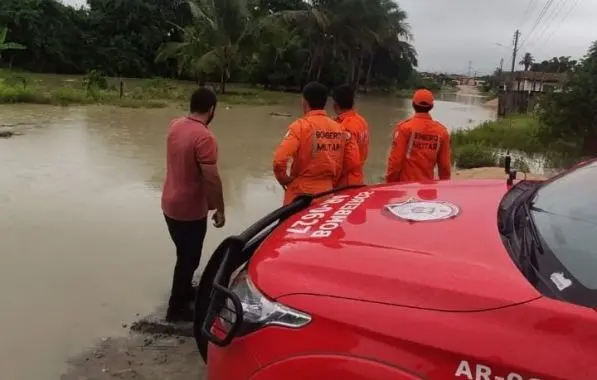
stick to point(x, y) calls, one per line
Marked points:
point(537, 76)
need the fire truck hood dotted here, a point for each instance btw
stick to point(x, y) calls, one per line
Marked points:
point(434, 246)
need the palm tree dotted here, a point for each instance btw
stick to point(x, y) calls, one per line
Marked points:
point(214, 40)
point(392, 35)
point(5, 46)
point(355, 29)
point(313, 22)
point(527, 61)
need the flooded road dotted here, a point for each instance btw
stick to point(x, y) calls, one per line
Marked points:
point(83, 244)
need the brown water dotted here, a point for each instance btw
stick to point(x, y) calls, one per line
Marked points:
point(83, 246)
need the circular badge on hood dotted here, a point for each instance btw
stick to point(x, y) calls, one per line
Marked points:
point(415, 210)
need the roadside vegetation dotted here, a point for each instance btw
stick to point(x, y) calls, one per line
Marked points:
point(562, 130)
point(242, 48)
point(95, 88)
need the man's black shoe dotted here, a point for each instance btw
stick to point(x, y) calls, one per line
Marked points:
point(179, 315)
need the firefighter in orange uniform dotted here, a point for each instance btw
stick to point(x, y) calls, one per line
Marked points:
point(358, 130)
point(318, 147)
point(419, 144)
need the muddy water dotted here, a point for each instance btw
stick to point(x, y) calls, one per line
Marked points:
point(83, 246)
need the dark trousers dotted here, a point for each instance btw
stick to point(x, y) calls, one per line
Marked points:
point(188, 237)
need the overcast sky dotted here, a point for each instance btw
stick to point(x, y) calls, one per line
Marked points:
point(450, 33)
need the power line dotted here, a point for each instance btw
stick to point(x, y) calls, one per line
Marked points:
point(555, 30)
point(561, 5)
point(527, 12)
point(539, 18)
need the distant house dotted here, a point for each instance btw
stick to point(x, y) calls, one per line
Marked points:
point(532, 81)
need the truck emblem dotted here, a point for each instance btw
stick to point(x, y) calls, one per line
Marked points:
point(415, 210)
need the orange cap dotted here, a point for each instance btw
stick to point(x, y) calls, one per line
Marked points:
point(423, 98)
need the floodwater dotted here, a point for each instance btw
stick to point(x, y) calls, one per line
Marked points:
point(83, 244)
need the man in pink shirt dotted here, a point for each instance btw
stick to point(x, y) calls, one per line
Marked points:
point(192, 188)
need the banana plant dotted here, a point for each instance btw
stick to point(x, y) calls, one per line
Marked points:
point(5, 46)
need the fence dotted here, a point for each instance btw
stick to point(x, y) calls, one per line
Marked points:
point(513, 102)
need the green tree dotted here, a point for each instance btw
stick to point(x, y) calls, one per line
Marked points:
point(270, 42)
point(47, 28)
point(214, 40)
point(122, 36)
point(392, 35)
point(569, 117)
point(555, 65)
point(6, 46)
point(353, 32)
point(527, 61)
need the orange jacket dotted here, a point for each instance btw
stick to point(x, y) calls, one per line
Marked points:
point(357, 127)
point(418, 144)
point(319, 150)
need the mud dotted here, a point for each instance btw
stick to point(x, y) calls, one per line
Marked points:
point(152, 349)
point(139, 357)
point(15, 129)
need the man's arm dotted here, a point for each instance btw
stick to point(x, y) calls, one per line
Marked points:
point(444, 158)
point(287, 149)
point(397, 153)
point(351, 160)
point(206, 153)
point(365, 144)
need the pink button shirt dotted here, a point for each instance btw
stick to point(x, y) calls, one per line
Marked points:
point(189, 144)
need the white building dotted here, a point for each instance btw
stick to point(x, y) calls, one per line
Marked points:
point(531, 81)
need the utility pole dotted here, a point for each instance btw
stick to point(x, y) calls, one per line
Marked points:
point(470, 68)
point(515, 51)
point(500, 72)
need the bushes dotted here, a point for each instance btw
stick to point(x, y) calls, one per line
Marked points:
point(65, 96)
point(95, 80)
point(512, 133)
point(160, 88)
point(68, 96)
point(471, 156)
point(487, 144)
point(13, 94)
point(17, 80)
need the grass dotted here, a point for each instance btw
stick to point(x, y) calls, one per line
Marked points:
point(511, 133)
point(485, 145)
point(472, 156)
point(63, 90)
point(68, 96)
point(488, 143)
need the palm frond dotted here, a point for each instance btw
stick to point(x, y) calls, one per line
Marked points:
point(170, 50)
point(200, 14)
point(12, 46)
point(3, 33)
